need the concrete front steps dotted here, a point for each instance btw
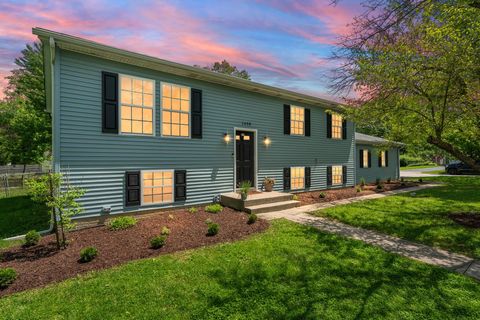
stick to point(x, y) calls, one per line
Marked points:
point(260, 202)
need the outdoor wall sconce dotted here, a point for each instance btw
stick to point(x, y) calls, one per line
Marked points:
point(267, 141)
point(226, 137)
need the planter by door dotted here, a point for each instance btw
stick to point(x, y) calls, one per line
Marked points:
point(245, 150)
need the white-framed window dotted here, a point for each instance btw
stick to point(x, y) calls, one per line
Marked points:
point(157, 186)
point(337, 126)
point(337, 175)
point(365, 158)
point(297, 178)
point(175, 110)
point(137, 101)
point(383, 159)
point(297, 120)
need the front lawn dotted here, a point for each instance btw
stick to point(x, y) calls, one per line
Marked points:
point(289, 272)
point(19, 214)
point(423, 218)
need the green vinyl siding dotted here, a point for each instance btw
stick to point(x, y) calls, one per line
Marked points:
point(375, 172)
point(97, 161)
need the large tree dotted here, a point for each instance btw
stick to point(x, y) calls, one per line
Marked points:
point(24, 122)
point(415, 68)
point(226, 68)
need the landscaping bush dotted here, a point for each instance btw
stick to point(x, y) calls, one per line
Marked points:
point(379, 186)
point(363, 183)
point(295, 197)
point(158, 242)
point(213, 229)
point(7, 277)
point(322, 195)
point(214, 208)
point(359, 189)
point(165, 231)
point(88, 254)
point(122, 223)
point(252, 218)
point(192, 210)
point(31, 238)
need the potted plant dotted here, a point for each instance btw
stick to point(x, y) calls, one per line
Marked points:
point(244, 188)
point(268, 183)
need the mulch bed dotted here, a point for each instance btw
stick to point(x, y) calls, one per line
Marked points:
point(466, 219)
point(312, 197)
point(43, 264)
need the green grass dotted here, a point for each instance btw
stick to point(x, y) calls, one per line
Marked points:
point(289, 272)
point(418, 167)
point(19, 214)
point(423, 218)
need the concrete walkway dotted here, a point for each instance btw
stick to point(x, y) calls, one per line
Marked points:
point(455, 262)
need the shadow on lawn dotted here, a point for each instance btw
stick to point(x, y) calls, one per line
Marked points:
point(333, 276)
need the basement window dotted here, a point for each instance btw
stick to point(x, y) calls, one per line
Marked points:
point(297, 178)
point(337, 175)
point(157, 186)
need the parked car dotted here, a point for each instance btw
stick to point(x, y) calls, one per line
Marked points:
point(459, 167)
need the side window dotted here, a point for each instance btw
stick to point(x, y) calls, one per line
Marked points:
point(175, 110)
point(337, 126)
point(337, 175)
point(297, 120)
point(297, 178)
point(137, 100)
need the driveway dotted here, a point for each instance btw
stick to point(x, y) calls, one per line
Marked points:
point(418, 173)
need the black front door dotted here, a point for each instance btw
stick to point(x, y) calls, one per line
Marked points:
point(244, 142)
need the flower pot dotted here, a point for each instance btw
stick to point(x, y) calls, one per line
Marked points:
point(268, 187)
point(244, 196)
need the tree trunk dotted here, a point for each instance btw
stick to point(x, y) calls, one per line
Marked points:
point(451, 149)
point(23, 175)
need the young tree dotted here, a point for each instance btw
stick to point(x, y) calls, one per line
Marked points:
point(415, 66)
point(226, 68)
point(60, 196)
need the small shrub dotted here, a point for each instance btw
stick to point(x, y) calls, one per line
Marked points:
point(192, 210)
point(359, 189)
point(403, 184)
point(165, 231)
point(88, 254)
point(322, 195)
point(252, 218)
point(158, 242)
point(213, 229)
point(420, 180)
point(379, 186)
point(122, 223)
point(363, 183)
point(31, 238)
point(245, 188)
point(208, 221)
point(7, 277)
point(402, 179)
point(214, 208)
point(295, 197)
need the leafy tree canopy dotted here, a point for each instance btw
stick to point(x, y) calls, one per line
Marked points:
point(226, 68)
point(415, 68)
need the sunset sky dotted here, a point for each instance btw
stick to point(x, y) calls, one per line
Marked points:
point(281, 43)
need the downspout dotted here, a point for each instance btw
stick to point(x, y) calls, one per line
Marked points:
point(51, 62)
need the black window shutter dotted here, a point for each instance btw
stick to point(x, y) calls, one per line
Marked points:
point(386, 158)
point(180, 185)
point(362, 165)
point(308, 177)
point(369, 159)
point(307, 122)
point(286, 178)
point(344, 129)
point(132, 188)
point(329, 176)
point(380, 159)
point(109, 102)
point(196, 129)
point(286, 119)
point(344, 175)
point(329, 125)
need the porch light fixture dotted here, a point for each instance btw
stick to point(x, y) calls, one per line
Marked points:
point(267, 141)
point(226, 137)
